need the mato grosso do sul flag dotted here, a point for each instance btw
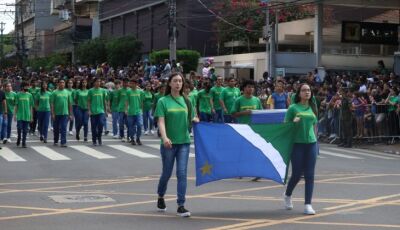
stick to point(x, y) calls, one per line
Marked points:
point(239, 150)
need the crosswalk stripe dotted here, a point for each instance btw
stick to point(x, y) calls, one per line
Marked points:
point(155, 146)
point(338, 154)
point(364, 154)
point(376, 153)
point(132, 151)
point(49, 153)
point(9, 155)
point(91, 152)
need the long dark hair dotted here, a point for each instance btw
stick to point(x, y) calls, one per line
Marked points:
point(81, 84)
point(311, 103)
point(42, 90)
point(168, 89)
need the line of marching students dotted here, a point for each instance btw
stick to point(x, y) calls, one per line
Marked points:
point(74, 102)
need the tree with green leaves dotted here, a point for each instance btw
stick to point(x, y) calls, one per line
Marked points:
point(122, 51)
point(92, 52)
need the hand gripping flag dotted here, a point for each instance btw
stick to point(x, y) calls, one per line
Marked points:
point(240, 150)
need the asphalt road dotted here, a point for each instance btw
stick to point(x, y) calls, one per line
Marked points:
point(114, 187)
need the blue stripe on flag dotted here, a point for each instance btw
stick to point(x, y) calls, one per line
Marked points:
point(272, 116)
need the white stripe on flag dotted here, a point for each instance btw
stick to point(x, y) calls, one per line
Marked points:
point(132, 151)
point(266, 148)
point(155, 146)
point(338, 155)
point(91, 152)
point(9, 155)
point(49, 153)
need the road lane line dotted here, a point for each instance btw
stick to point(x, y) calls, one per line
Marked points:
point(91, 152)
point(9, 155)
point(363, 154)
point(49, 153)
point(325, 152)
point(132, 151)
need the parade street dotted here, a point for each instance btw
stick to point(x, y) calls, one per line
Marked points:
point(113, 186)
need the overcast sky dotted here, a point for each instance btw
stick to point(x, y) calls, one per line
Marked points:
point(7, 18)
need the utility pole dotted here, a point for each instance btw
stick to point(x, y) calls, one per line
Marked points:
point(267, 36)
point(23, 54)
point(2, 24)
point(272, 53)
point(172, 30)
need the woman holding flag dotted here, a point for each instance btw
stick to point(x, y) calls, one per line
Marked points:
point(304, 154)
point(175, 113)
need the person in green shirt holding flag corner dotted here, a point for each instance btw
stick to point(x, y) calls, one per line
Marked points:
point(304, 154)
point(61, 111)
point(10, 100)
point(42, 105)
point(175, 114)
point(97, 106)
point(23, 113)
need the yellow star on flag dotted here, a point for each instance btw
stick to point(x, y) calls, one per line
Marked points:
point(206, 169)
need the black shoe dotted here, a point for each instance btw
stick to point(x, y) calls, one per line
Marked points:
point(256, 179)
point(41, 138)
point(85, 139)
point(341, 145)
point(5, 141)
point(106, 132)
point(55, 144)
point(18, 142)
point(133, 142)
point(183, 212)
point(100, 142)
point(23, 145)
point(44, 141)
point(63, 145)
point(138, 142)
point(161, 205)
point(77, 137)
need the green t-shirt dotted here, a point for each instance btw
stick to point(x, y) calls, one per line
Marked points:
point(305, 127)
point(114, 101)
point(72, 93)
point(393, 99)
point(229, 96)
point(204, 101)
point(148, 100)
point(122, 98)
point(135, 102)
point(97, 98)
point(243, 103)
point(61, 100)
point(175, 113)
point(81, 97)
point(10, 99)
point(34, 91)
point(24, 104)
point(215, 93)
point(43, 101)
point(193, 96)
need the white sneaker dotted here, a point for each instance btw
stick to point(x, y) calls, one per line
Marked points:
point(308, 210)
point(191, 134)
point(151, 132)
point(9, 140)
point(288, 202)
point(71, 133)
point(115, 137)
point(146, 133)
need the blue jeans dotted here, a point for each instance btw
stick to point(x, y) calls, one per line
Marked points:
point(60, 126)
point(135, 126)
point(105, 123)
point(218, 116)
point(3, 128)
point(22, 128)
point(206, 117)
point(115, 121)
point(43, 123)
point(304, 157)
point(82, 119)
point(71, 122)
point(180, 152)
point(6, 126)
point(229, 119)
point(147, 120)
point(96, 122)
point(123, 121)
